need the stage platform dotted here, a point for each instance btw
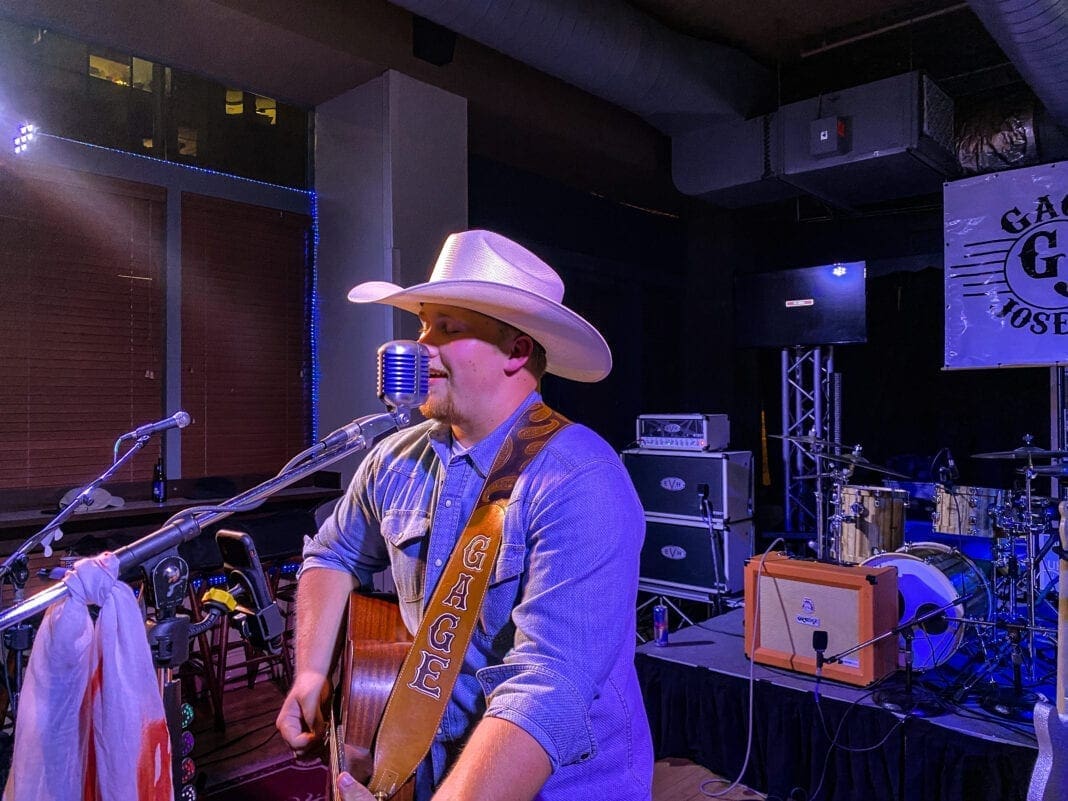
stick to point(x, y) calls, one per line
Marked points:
point(696, 692)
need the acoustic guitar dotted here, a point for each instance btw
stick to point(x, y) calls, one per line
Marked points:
point(376, 645)
point(1049, 780)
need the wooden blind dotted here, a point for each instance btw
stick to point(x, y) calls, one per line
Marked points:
point(245, 340)
point(81, 323)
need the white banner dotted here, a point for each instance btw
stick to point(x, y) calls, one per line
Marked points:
point(1007, 268)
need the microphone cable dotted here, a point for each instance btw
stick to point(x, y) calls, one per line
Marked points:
point(752, 688)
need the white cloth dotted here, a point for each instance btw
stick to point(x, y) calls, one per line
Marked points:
point(90, 721)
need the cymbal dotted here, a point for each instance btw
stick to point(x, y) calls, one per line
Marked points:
point(807, 439)
point(1023, 452)
point(860, 461)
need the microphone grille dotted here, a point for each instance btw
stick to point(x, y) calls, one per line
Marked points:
point(182, 419)
point(403, 367)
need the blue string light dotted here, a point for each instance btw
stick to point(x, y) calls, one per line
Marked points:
point(177, 164)
point(313, 339)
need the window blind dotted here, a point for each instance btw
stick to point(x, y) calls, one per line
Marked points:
point(81, 323)
point(245, 336)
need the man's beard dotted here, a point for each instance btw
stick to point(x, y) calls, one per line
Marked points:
point(438, 409)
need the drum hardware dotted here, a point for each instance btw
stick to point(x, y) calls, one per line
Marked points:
point(829, 542)
point(829, 530)
point(1059, 470)
point(1012, 702)
point(1020, 525)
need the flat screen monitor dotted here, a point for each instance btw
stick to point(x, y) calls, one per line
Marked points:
point(822, 305)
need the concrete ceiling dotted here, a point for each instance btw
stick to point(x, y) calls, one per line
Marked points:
point(309, 57)
point(520, 114)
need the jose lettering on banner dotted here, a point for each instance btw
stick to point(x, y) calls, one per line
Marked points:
point(1006, 268)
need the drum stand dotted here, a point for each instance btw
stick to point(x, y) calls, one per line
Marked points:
point(1019, 525)
point(1012, 702)
point(830, 541)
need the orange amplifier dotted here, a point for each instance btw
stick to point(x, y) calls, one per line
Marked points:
point(797, 597)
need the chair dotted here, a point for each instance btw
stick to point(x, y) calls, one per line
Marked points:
point(221, 658)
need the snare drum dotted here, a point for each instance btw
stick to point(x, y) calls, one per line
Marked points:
point(930, 576)
point(873, 521)
point(968, 511)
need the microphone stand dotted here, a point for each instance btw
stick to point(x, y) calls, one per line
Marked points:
point(19, 639)
point(189, 524)
point(909, 699)
point(167, 573)
point(45, 536)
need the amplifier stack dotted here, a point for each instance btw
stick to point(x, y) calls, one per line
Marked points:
point(698, 506)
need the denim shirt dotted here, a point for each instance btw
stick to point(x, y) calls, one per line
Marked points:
point(553, 651)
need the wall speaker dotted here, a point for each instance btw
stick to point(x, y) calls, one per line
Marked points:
point(432, 42)
point(852, 604)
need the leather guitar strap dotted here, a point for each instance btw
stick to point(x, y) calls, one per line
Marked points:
point(429, 671)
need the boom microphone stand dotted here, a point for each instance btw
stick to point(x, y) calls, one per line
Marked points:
point(910, 698)
point(190, 523)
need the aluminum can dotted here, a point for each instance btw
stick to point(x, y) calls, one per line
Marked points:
point(660, 625)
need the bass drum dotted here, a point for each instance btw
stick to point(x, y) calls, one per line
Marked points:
point(931, 576)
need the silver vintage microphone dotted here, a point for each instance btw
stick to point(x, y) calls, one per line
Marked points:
point(403, 374)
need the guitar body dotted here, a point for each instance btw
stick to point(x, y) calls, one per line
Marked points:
point(1049, 780)
point(376, 646)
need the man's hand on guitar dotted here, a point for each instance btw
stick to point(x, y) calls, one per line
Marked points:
point(301, 721)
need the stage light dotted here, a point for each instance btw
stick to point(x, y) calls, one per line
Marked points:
point(838, 271)
point(25, 136)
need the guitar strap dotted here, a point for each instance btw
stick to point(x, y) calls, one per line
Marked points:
point(426, 678)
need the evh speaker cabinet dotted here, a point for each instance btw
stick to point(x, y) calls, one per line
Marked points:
point(676, 482)
point(797, 597)
point(682, 556)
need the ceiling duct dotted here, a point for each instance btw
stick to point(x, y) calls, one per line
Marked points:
point(881, 141)
point(732, 164)
point(1034, 35)
point(613, 51)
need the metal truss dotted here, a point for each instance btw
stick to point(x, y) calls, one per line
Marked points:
point(810, 408)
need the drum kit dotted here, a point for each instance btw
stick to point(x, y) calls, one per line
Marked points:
point(995, 595)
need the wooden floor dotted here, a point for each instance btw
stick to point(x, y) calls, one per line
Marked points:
point(250, 741)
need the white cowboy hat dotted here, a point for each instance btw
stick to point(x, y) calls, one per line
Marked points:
point(487, 273)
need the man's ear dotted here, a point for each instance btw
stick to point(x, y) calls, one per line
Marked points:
point(520, 352)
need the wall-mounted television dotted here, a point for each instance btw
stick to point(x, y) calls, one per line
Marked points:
point(822, 305)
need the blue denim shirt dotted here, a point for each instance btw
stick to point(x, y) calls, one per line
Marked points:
point(554, 649)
